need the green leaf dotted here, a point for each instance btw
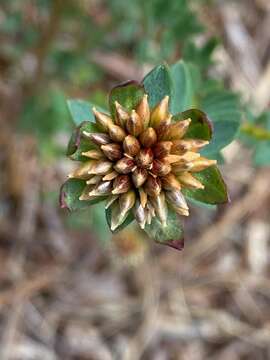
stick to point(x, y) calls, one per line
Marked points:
point(262, 154)
point(110, 210)
point(182, 87)
point(201, 204)
point(158, 84)
point(171, 234)
point(128, 94)
point(80, 111)
point(200, 127)
point(70, 192)
point(217, 156)
point(224, 133)
point(221, 105)
point(78, 143)
point(214, 192)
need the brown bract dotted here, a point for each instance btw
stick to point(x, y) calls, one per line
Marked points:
point(141, 162)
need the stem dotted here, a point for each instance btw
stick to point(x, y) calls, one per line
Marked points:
point(255, 131)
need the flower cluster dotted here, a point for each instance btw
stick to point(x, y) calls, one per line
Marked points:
point(141, 160)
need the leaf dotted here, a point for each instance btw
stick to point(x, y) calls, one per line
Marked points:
point(201, 204)
point(262, 154)
point(80, 111)
point(128, 94)
point(182, 87)
point(128, 220)
point(217, 156)
point(171, 234)
point(70, 192)
point(224, 133)
point(98, 223)
point(200, 127)
point(78, 143)
point(221, 105)
point(158, 84)
point(214, 192)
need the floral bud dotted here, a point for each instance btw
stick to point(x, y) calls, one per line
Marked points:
point(110, 200)
point(160, 113)
point(140, 214)
point(116, 218)
point(121, 184)
point(134, 124)
point(100, 168)
point(152, 186)
point(190, 181)
point(124, 165)
point(102, 120)
point(180, 146)
point(131, 145)
point(121, 115)
point(201, 164)
point(176, 198)
point(181, 166)
point(175, 131)
point(148, 137)
point(170, 159)
point(181, 211)
point(93, 154)
point(98, 138)
point(160, 206)
point(116, 133)
point(94, 180)
point(126, 202)
point(103, 188)
point(139, 177)
point(83, 171)
point(188, 156)
point(143, 111)
point(161, 168)
point(112, 151)
point(170, 182)
point(143, 197)
point(145, 158)
point(162, 149)
point(85, 194)
point(151, 208)
point(110, 176)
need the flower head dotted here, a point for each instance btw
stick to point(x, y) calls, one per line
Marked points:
point(140, 160)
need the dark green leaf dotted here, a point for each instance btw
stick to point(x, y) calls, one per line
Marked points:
point(127, 221)
point(80, 111)
point(182, 87)
point(158, 84)
point(215, 191)
point(128, 95)
point(200, 127)
point(171, 234)
point(70, 192)
point(78, 143)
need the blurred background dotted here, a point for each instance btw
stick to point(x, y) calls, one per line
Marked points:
point(68, 290)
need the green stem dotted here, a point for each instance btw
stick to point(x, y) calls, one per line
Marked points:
point(255, 131)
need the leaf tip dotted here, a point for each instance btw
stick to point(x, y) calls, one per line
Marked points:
point(62, 198)
point(176, 244)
